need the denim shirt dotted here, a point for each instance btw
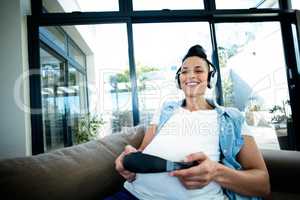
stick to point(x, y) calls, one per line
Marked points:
point(230, 121)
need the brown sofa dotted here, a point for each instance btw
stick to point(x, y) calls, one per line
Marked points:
point(86, 171)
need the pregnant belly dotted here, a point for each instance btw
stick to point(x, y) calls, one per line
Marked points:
point(160, 186)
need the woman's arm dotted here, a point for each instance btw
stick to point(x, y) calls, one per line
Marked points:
point(149, 135)
point(253, 180)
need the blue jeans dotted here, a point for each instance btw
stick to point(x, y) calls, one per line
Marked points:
point(123, 194)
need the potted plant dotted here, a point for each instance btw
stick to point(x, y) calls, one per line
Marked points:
point(283, 123)
point(88, 128)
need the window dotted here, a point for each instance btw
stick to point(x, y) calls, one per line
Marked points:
point(254, 78)
point(107, 68)
point(64, 94)
point(295, 4)
point(53, 100)
point(80, 5)
point(97, 54)
point(156, 65)
point(167, 4)
point(114, 100)
point(245, 4)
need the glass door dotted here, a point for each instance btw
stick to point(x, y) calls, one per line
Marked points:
point(76, 101)
point(53, 99)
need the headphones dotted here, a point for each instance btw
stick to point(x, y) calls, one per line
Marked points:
point(211, 79)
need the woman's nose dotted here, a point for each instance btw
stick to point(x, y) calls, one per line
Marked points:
point(191, 73)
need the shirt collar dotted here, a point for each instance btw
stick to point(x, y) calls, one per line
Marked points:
point(220, 109)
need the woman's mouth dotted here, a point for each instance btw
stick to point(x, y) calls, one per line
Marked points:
point(191, 83)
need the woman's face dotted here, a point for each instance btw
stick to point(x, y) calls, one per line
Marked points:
point(193, 76)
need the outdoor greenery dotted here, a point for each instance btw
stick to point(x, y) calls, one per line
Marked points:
point(124, 77)
point(88, 128)
point(226, 53)
point(280, 113)
point(227, 92)
point(121, 119)
point(72, 78)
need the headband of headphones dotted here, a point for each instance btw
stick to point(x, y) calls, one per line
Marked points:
point(199, 51)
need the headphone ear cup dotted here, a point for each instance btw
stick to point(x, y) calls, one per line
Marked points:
point(212, 79)
point(208, 79)
point(177, 81)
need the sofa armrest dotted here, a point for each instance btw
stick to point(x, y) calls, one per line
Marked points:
point(284, 170)
point(83, 171)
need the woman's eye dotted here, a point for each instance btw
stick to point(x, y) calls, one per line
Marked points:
point(195, 72)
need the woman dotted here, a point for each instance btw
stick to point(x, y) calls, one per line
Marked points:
point(230, 166)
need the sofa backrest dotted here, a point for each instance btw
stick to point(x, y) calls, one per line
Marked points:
point(80, 172)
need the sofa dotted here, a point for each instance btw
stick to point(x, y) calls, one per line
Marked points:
point(86, 171)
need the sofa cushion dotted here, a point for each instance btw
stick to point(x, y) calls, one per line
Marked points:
point(83, 171)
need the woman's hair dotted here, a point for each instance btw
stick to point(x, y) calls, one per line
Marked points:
point(196, 50)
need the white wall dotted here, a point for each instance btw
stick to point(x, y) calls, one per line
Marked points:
point(15, 139)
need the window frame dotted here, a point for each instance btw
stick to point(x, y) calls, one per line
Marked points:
point(284, 15)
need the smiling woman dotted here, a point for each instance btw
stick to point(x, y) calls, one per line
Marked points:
point(229, 164)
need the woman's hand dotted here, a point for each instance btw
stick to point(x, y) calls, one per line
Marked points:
point(129, 176)
point(197, 176)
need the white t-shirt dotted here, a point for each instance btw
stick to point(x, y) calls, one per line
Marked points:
point(184, 133)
